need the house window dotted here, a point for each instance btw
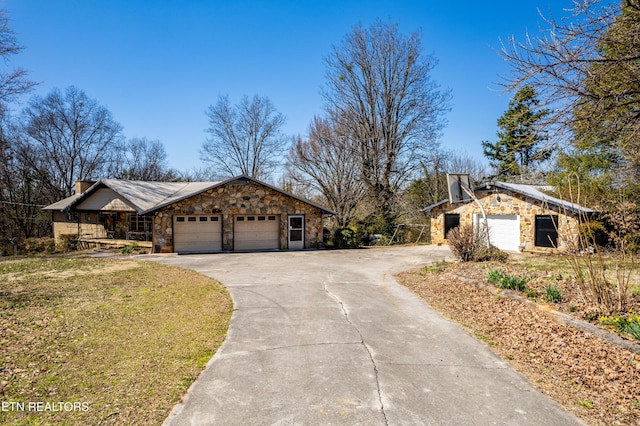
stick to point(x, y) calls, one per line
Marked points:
point(191, 219)
point(272, 218)
point(180, 219)
point(546, 230)
point(214, 218)
point(139, 223)
point(251, 218)
point(240, 219)
point(139, 227)
point(451, 221)
point(261, 218)
point(203, 218)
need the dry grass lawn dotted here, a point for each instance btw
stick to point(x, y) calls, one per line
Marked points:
point(121, 339)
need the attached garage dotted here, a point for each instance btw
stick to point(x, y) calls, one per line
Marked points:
point(504, 231)
point(197, 233)
point(256, 232)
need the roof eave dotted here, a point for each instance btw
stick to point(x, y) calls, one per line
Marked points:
point(433, 206)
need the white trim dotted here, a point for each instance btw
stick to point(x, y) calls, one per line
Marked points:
point(295, 244)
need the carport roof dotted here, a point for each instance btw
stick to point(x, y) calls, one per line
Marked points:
point(147, 197)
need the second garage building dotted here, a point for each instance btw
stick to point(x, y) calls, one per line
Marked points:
point(519, 217)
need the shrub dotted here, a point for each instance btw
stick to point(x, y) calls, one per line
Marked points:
point(128, 249)
point(553, 294)
point(593, 232)
point(345, 238)
point(506, 281)
point(40, 245)
point(491, 254)
point(632, 242)
point(68, 242)
point(466, 243)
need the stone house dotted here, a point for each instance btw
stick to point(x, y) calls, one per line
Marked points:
point(520, 217)
point(238, 214)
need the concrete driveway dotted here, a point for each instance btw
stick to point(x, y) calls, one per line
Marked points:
point(329, 337)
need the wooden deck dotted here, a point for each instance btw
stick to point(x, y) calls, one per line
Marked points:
point(112, 243)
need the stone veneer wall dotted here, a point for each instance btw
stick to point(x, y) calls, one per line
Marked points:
point(507, 202)
point(239, 197)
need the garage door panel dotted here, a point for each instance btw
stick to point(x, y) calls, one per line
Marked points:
point(197, 233)
point(256, 232)
point(504, 231)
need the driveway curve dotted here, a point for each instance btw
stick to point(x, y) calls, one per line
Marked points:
point(329, 337)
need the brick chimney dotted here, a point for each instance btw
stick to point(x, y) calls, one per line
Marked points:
point(83, 185)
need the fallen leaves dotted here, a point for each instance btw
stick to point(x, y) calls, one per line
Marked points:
point(596, 380)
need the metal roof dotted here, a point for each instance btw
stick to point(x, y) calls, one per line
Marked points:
point(537, 192)
point(147, 196)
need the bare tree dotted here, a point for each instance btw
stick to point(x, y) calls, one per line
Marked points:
point(22, 192)
point(462, 162)
point(145, 160)
point(432, 186)
point(585, 69)
point(326, 163)
point(75, 136)
point(18, 191)
point(197, 174)
point(15, 82)
point(244, 139)
point(379, 85)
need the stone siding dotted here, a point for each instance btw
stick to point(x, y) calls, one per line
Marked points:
point(240, 197)
point(505, 202)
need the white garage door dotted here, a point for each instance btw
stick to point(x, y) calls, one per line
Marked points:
point(197, 233)
point(256, 232)
point(504, 231)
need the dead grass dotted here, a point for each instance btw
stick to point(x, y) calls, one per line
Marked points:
point(590, 377)
point(123, 338)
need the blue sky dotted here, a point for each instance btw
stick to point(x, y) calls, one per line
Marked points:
point(158, 65)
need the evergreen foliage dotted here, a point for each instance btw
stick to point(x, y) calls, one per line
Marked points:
point(517, 150)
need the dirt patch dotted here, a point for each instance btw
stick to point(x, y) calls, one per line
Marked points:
point(591, 377)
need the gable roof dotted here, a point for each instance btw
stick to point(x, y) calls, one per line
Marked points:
point(537, 192)
point(147, 197)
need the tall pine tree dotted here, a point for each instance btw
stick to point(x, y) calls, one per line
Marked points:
point(518, 149)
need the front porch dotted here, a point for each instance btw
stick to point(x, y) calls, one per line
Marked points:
point(113, 243)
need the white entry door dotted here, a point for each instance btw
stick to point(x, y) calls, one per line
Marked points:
point(296, 232)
